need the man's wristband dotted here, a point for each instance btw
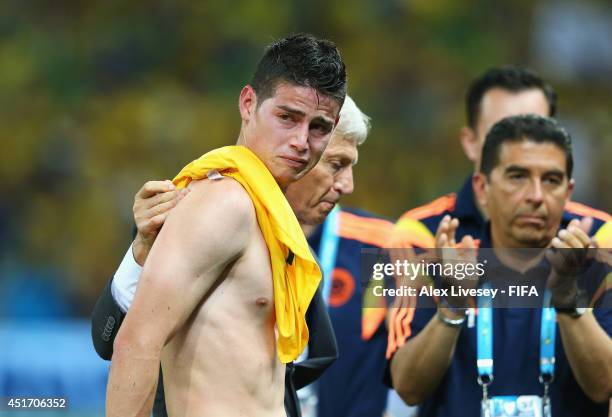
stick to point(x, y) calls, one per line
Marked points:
point(455, 323)
point(574, 313)
point(576, 308)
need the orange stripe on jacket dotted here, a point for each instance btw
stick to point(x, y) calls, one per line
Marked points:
point(409, 233)
point(585, 211)
point(371, 318)
point(438, 206)
point(372, 231)
point(399, 325)
point(391, 343)
point(364, 229)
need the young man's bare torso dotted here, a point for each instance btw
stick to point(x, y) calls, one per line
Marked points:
point(223, 361)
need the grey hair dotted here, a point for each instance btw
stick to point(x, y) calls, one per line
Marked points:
point(353, 125)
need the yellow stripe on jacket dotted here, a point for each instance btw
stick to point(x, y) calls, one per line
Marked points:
point(603, 237)
point(294, 284)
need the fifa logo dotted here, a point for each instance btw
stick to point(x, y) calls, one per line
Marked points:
point(522, 290)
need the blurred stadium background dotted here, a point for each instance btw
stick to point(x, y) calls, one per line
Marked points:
point(99, 96)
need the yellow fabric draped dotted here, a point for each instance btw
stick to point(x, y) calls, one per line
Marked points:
point(295, 273)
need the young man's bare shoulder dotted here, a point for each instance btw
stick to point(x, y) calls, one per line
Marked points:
point(224, 197)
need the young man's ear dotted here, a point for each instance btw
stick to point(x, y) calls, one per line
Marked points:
point(247, 103)
point(469, 142)
point(480, 186)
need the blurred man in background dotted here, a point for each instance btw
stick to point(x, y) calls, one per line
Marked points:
point(524, 181)
point(498, 93)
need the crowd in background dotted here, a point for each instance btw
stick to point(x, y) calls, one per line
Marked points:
point(98, 97)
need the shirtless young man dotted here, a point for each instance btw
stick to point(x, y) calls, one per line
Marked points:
point(204, 304)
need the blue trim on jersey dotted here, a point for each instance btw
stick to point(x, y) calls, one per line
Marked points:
point(328, 249)
point(352, 386)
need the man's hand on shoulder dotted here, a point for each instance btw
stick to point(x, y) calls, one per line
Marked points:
point(152, 204)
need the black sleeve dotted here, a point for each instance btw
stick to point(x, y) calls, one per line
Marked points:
point(322, 346)
point(159, 405)
point(292, 403)
point(106, 319)
point(105, 322)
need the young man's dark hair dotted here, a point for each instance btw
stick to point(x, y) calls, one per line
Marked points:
point(528, 127)
point(514, 79)
point(303, 60)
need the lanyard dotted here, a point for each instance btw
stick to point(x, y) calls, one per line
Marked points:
point(484, 328)
point(328, 249)
point(484, 338)
point(547, 338)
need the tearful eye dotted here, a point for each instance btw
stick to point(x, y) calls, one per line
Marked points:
point(320, 129)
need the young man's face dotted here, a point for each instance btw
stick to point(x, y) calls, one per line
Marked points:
point(497, 104)
point(525, 194)
point(289, 130)
point(316, 194)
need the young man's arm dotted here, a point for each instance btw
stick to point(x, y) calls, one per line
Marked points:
point(200, 238)
point(152, 203)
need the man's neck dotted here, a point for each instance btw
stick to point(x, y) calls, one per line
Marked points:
point(308, 229)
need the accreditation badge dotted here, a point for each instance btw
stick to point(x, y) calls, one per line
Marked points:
point(515, 406)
